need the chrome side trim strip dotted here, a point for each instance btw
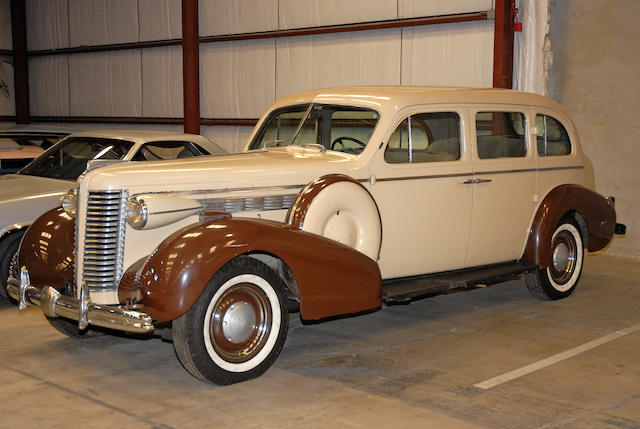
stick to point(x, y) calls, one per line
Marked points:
point(223, 190)
point(477, 173)
point(435, 176)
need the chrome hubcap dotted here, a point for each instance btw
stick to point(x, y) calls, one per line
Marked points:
point(560, 257)
point(238, 322)
point(563, 258)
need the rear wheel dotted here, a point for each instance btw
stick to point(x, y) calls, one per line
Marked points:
point(561, 277)
point(238, 325)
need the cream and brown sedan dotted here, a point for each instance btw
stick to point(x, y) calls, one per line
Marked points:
point(345, 199)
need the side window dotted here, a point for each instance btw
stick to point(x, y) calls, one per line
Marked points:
point(553, 138)
point(500, 135)
point(160, 150)
point(425, 137)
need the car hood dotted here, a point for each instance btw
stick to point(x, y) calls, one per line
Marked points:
point(274, 167)
point(19, 186)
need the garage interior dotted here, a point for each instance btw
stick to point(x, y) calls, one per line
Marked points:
point(490, 358)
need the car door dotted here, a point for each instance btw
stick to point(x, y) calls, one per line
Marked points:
point(415, 178)
point(503, 184)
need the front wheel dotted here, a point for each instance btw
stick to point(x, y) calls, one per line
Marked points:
point(237, 327)
point(9, 260)
point(561, 277)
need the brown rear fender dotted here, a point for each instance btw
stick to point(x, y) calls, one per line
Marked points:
point(332, 278)
point(47, 250)
point(597, 212)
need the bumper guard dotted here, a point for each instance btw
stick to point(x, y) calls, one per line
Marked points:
point(54, 304)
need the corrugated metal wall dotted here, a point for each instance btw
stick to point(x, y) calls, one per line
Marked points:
point(239, 79)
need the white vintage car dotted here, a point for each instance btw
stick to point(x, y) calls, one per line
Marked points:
point(39, 186)
point(346, 199)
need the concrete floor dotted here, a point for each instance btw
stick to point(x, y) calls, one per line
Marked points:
point(411, 366)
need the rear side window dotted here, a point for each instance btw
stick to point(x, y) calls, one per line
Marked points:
point(553, 138)
point(500, 135)
point(425, 137)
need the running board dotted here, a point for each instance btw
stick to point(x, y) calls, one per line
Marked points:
point(403, 290)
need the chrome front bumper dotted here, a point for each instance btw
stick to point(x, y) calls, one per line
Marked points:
point(54, 304)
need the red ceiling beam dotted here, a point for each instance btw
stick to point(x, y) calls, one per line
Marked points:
point(190, 66)
point(20, 75)
point(503, 44)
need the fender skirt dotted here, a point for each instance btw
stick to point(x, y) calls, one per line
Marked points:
point(333, 279)
point(596, 210)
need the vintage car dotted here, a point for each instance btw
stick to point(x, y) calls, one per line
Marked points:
point(39, 186)
point(20, 144)
point(345, 199)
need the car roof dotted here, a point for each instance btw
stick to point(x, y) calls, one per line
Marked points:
point(139, 136)
point(401, 96)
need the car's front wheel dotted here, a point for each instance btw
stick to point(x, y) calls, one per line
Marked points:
point(8, 253)
point(238, 325)
point(561, 277)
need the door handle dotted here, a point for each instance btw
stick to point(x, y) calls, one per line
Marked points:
point(474, 181)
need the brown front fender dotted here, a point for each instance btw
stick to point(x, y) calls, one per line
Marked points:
point(333, 279)
point(597, 212)
point(47, 249)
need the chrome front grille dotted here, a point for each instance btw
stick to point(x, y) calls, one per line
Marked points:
point(234, 205)
point(104, 239)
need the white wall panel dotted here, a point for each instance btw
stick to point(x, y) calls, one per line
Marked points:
point(162, 82)
point(320, 61)
point(160, 19)
point(448, 55)
point(5, 25)
point(237, 16)
point(237, 78)
point(105, 84)
point(49, 85)
point(231, 139)
point(47, 24)
point(7, 100)
point(417, 8)
point(100, 22)
point(310, 13)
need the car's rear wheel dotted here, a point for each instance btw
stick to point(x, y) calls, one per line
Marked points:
point(561, 277)
point(238, 325)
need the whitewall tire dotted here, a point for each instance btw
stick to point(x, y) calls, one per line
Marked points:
point(561, 277)
point(236, 329)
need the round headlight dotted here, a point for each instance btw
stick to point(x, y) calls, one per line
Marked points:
point(137, 213)
point(70, 202)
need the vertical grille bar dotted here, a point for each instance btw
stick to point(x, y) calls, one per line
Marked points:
point(104, 239)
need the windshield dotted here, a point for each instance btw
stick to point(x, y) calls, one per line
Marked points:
point(68, 159)
point(340, 128)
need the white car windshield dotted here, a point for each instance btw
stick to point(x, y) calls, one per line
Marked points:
point(68, 159)
point(339, 128)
